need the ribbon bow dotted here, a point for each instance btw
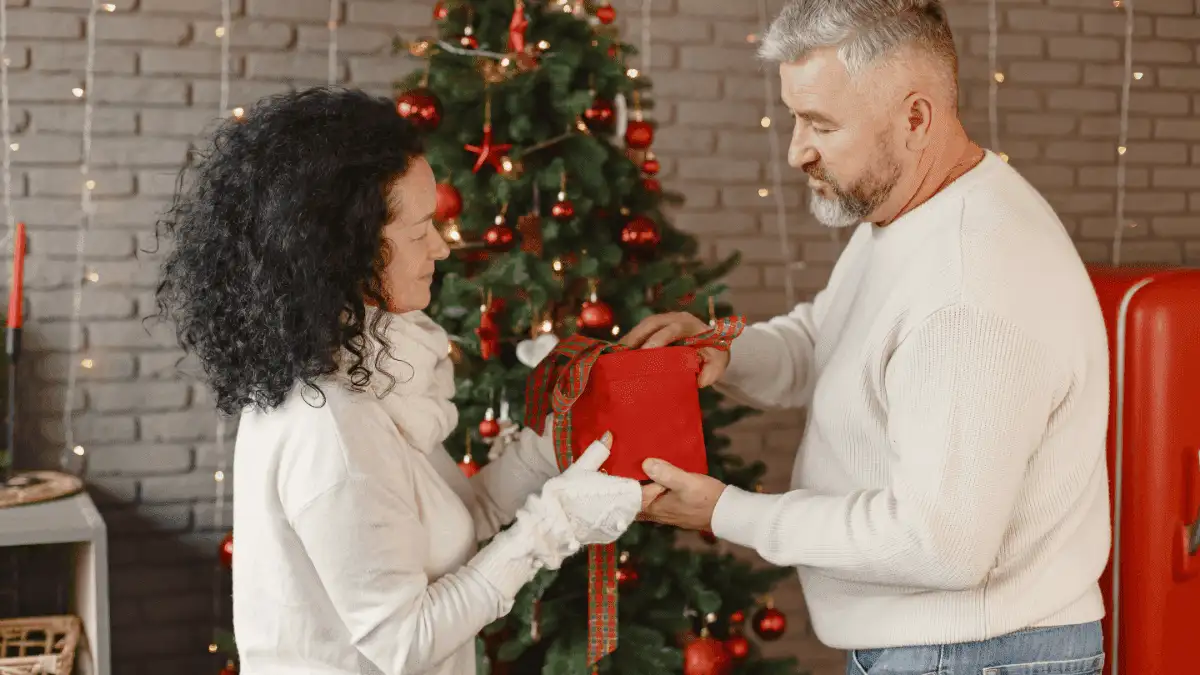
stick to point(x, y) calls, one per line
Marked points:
point(553, 388)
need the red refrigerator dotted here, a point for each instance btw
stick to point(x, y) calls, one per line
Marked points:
point(1152, 584)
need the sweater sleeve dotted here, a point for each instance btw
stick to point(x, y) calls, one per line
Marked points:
point(968, 397)
point(771, 363)
point(503, 485)
point(368, 547)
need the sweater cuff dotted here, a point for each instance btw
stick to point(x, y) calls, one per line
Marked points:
point(738, 515)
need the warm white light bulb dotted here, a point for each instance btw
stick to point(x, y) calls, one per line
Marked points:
point(78, 91)
point(219, 476)
point(109, 7)
point(632, 73)
point(763, 192)
point(79, 450)
point(765, 122)
point(87, 363)
point(999, 77)
point(239, 112)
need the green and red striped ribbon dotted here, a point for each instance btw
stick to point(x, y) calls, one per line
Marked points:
point(552, 388)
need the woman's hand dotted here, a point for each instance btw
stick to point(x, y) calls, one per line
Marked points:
point(599, 507)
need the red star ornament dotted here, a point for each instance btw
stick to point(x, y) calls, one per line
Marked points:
point(489, 153)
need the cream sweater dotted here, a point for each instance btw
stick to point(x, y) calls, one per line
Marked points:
point(357, 534)
point(951, 483)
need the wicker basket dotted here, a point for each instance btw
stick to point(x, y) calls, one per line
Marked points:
point(40, 645)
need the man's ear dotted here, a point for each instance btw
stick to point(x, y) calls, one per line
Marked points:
point(917, 121)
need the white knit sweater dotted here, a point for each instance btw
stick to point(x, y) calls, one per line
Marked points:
point(357, 534)
point(951, 483)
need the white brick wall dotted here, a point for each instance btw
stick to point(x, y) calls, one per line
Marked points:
point(149, 431)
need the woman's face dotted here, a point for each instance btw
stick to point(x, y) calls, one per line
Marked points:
point(414, 244)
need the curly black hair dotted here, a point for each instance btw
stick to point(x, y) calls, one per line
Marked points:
point(278, 242)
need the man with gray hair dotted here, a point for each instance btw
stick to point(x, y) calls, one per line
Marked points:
point(949, 503)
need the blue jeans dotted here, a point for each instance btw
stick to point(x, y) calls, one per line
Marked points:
point(1057, 650)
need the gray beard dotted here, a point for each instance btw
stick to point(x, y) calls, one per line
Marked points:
point(848, 208)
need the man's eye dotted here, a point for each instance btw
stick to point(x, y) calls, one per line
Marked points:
point(819, 130)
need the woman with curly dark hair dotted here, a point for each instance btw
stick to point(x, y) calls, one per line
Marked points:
point(303, 253)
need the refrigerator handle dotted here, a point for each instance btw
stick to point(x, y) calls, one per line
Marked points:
point(1193, 546)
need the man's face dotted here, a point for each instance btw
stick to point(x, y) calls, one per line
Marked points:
point(842, 139)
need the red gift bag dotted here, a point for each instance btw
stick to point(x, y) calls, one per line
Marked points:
point(649, 400)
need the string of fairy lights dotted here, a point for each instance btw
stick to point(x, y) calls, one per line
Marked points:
point(1121, 223)
point(776, 150)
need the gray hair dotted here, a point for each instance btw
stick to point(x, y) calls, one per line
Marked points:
point(863, 31)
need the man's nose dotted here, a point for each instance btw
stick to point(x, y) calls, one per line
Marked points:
point(800, 152)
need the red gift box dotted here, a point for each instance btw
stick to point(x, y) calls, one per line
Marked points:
point(649, 400)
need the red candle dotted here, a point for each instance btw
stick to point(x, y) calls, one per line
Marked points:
point(16, 293)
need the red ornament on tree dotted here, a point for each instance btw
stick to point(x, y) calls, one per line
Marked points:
point(420, 107)
point(439, 11)
point(627, 574)
point(652, 185)
point(639, 134)
point(468, 466)
point(516, 28)
point(468, 40)
point(738, 647)
point(651, 165)
point(488, 426)
point(489, 152)
point(707, 535)
point(606, 14)
point(563, 209)
point(498, 237)
point(640, 234)
point(488, 332)
point(449, 203)
point(770, 623)
point(737, 617)
point(225, 553)
point(601, 115)
point(229, 669)
point(595, 314)
point(706, 655)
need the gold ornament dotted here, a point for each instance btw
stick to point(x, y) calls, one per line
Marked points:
point(511, 168)
point(420, 48)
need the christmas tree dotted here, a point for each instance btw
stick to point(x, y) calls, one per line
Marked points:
point(548, 197)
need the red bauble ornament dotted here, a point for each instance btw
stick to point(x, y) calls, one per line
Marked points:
point(229, 669)
point(489, 428)
point(706, 656)
point(652, 185)
point(601, 114)
point(640, 234)
point(468, 42)
point(737, 617)
point(225, 553)
point(639, 134)
point(627, 575)
point(613, 50)
point(606, 14)
point(738, 647)
point(498, 237)
point(770, 623)
point(651, 166)
point(449, 202)
point(595, 315)
point(439, 11)
point(468, 466)
point(420, 107)
point(563, 209)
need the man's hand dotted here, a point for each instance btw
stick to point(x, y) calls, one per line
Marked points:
point(661, 330)
point(677, 497)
